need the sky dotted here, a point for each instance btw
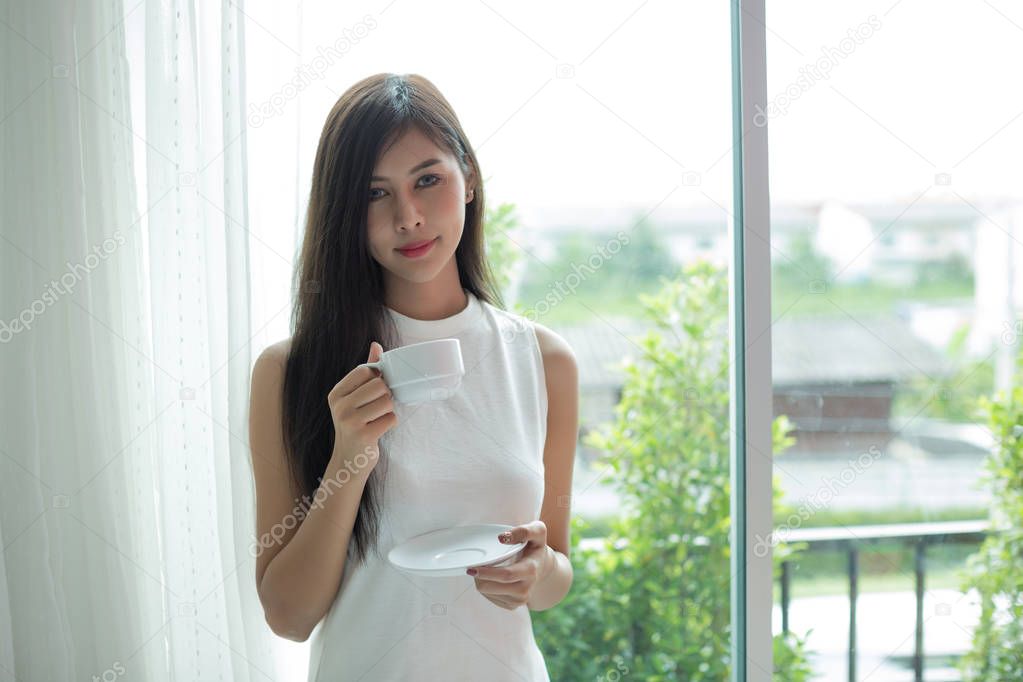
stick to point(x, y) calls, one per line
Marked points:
point(580, 111)
point(643, 104)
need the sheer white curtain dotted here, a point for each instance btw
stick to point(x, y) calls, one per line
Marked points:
point(127, 507)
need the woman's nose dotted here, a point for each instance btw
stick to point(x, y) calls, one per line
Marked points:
point(409, 214)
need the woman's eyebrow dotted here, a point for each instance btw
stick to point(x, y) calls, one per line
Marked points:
point(417, 167)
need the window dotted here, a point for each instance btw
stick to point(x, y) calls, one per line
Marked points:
point(878, 360)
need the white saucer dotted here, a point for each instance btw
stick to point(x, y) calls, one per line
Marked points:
point(449, 551)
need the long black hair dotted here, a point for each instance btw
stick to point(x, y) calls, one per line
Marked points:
point(339, 287)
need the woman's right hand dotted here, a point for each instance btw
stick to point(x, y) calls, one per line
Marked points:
point(362, 408)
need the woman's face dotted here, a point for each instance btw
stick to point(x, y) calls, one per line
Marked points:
point(417, 193)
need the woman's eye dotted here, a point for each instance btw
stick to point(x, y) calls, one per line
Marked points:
point(436, 178)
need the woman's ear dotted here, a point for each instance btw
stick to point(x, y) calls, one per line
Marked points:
point(470, 185)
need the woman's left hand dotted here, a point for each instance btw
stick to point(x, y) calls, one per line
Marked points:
point(510, 586)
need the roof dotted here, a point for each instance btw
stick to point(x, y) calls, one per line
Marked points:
point(864, 349)
point(785, 217)
point(805, 351)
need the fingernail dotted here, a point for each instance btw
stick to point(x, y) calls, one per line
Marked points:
point(471, 571)
point(504, 537)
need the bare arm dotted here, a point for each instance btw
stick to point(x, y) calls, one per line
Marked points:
point(301, 547)
point(562, 381)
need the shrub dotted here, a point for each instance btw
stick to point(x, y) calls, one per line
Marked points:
point(996, 570)
point(654, 602)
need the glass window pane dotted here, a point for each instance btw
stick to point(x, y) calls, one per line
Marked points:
point(605, 140)
point(896, 243)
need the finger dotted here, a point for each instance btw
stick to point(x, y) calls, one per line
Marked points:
point(534, 531)
point(353, 380)
point(499, 589)
point(375, 409)
point(510, 599)
point(369, 391)
point(503, 603)
point(498, 574)
point(511, 604)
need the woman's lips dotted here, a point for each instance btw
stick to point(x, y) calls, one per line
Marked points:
point(416, 253)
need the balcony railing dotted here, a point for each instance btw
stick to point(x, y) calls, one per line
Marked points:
point(851, 538)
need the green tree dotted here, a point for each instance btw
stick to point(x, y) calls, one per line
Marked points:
point(996, 570)
point(958, 396)
point(573, 248)
point(801, 263)
point(653, 602)
point(503, 254)
point(645, 259)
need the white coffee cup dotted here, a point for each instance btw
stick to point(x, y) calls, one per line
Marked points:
point(421, 372)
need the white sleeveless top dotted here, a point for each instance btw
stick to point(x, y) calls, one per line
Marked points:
point(476, 457)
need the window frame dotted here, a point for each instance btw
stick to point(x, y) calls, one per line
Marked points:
point(750, 334)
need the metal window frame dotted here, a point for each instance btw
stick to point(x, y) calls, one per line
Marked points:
point(749, 329)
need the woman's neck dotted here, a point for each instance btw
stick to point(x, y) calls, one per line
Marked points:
point(423, 302)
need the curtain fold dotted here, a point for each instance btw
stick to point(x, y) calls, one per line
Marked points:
point(127, 507)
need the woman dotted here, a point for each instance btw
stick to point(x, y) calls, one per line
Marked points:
point(343, 473)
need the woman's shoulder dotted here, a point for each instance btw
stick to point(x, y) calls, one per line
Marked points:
point(553, 346)
point(275, 353)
